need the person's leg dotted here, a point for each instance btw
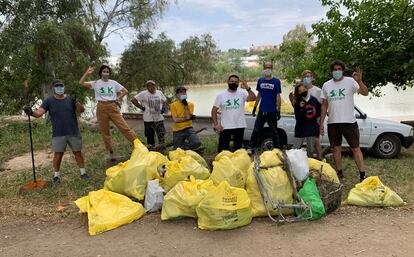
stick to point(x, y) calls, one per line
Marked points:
point(58, 148)
point(335, 139)
point(310, 141)
point(179, 139)
point(103, 120)
point(318, 147)
point(193, 139)
point(149, 132)
point(238, 138)
point(160, 130)
point(351, 134)
point(271, 120)
point(224, 140)
point(298, 142)
point(258, 126)
point(116, 117)
point(57, 160)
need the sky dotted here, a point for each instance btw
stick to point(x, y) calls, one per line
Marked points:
point(232, 23)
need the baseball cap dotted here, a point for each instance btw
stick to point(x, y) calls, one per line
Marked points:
point(150, 82)
point(57, 82)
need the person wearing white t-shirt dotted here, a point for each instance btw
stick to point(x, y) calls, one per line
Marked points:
point(232, 121)
point(152, 102)
point(338, 102)
point(108, 93)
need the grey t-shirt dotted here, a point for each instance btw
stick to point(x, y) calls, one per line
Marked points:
point(63, 116)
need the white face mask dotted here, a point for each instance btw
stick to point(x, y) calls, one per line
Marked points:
point(105, 74)
point(267, 72)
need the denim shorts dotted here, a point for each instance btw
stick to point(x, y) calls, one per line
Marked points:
point(59, 143)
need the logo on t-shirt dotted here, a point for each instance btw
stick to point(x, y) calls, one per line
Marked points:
point(106, 91)
point(267, 86)
point(336, 95)
point(232, 103)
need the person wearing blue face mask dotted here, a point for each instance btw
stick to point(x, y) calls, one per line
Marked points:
point(182, 111)
point(338, 103)
point(65, 131)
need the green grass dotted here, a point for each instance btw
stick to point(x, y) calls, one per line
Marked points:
point(395, 173)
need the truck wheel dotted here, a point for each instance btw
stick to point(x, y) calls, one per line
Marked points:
point(266, 141)
point(387, 146)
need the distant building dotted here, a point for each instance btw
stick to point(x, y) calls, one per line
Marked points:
point(250, 61)
point(256, 49)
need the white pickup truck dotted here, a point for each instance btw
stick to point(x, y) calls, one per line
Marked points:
point(383, 137)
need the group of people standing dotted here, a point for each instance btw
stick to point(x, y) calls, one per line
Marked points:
point(311, 105)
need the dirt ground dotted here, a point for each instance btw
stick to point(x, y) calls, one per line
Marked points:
point(349, 231)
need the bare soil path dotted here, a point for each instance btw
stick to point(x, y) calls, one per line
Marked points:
point(349, 231)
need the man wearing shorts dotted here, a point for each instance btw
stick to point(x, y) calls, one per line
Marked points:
point(338, 102)
point(65, 131)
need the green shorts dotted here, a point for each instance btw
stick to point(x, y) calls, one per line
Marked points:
point(59, 143)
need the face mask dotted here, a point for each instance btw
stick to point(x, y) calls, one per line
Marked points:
point(59, 90)
point(233, 86)
point(307, 81)
point(304, 94)
point(267, 72)
point(183, 97)
point(105, 74)
point(337, 74)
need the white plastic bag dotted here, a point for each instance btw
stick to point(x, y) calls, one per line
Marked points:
point(298, 163)
point(154, 196)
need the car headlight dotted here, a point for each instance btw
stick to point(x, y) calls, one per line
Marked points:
point(411, 133)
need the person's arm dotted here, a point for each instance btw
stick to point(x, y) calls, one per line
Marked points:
point(279, 102)
point(123, 92)
point(38, 113)
point(79, 107)
point(175, 117)
point(324, 111)
point(82, 81)
point(357, 75)
point(188, 112)
point(292, 99)
point(251, 95)
point(137, 104)
point(217, 124)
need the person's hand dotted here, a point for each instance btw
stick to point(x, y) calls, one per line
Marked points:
point(278, 115)
point(28, 110)
point(218, 127)
point(357, 75)
point(90, 70)
point(321, 130)
point(254, 111)
point(118, 103)
point(244, 84)
point(73, 96)
point(292, 97)
point(192, 117)
point(162, 110)
point(302, 103)
point(184, 101)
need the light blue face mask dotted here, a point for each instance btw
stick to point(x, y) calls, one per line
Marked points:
point(183, 97)
point(307, 81)
point(59, 90)
point(337, 74)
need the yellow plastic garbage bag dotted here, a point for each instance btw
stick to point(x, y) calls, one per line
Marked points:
point(130, 178)
point(224, 207)
point(285, 108)
point(178, 153)
point(371, 192)
point(183, 198)
point(279, 186)
point(226, 170)
point(240, 159)
point(177, 171)
point(327, 169)
point(271, 158)
point(108, 210)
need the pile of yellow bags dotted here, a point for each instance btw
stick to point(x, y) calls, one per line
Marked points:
point(231, 167)
point(179, 153)
point(130, 178)
point(371, 192)
point(182, 200)
point(224, 207)
point(277, 182)
point(108, 210)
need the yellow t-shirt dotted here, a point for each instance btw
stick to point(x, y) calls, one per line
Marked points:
point(177, 110)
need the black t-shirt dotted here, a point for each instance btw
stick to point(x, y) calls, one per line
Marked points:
point(307, 117)
point(63, 116)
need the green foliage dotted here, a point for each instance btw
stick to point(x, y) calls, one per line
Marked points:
point(377, 35)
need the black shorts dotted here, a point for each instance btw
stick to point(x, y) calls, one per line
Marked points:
point(349, 131)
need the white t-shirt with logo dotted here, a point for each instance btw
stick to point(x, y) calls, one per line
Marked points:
point(231, 105)
point(153, 104)
point(106, 90)
point(316, 92)
point(340, 96)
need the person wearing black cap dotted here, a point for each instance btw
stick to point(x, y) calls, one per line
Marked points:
point(182, 111)
point(65, 131)
point(152, 103)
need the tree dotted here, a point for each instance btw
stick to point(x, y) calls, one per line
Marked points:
point(377, 35)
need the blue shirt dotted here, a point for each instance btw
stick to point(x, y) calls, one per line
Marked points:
point(268, 90)
point(63, 116)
